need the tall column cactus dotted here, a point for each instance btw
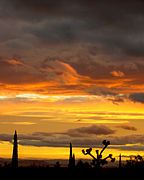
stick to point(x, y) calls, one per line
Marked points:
point(120, 161)
point(71, 158)
point(98, 161)
point(15, 151)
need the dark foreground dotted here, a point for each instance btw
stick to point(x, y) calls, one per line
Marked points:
point(65, 173)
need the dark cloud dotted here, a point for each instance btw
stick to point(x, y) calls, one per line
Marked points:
point(14, 71)
point(79, 136)
point(56, 31)
point(130, 148)
point(129, 139)
point(6, 137)
point(81, 132)
point(117, 99)
point(98, 39)
point(126, 127)
point(91, 130)
point(113, 27)
point(95, 90)
point(137, 97)
point(41, 139)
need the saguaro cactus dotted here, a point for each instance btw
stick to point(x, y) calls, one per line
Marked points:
point(98, 161)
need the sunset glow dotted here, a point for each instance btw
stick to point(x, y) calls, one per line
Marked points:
point(71, 71)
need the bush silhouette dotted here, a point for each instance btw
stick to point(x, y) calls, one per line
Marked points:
point(135, 162)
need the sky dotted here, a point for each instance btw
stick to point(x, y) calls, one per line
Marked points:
point(71, 71)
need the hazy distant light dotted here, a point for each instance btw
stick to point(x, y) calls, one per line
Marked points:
point(18, 123)
point(39, 96)
point(23, 123)
point(3, 97)
point(30, 96)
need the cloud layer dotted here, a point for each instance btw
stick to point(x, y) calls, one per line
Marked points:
point(90, 136)
point(73, 47)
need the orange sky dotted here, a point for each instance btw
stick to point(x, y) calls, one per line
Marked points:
point(71, 71)
point(47, 123)
point(59, 106)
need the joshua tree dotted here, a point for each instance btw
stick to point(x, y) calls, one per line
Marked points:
point(98, 161)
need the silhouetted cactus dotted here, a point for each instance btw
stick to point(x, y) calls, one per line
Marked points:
point(71, 158)
point(15, 152)
point(120, 161)
point(98, 161)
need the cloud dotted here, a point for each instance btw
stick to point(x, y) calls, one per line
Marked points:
point(6, 137)
point(60, 139)
point(117, 74)
point(97, 90)
point(79, 136)
point(81, 21)
point(114, 36)
point(91, 46)
point(91, 130)
point(137, 97)
point(117, 99)
point(130, 147)
point(126, 127)
point(41, 139)
point(14, 71)
point(56, 31)
point(76, 99)
point(60, 71)
point(48, 77)
point(15, 62)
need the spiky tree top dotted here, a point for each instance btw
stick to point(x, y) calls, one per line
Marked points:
point(98, 161)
